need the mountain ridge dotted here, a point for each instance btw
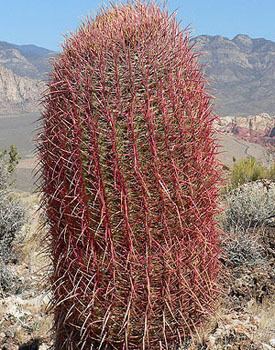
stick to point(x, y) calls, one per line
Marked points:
point(240, 72)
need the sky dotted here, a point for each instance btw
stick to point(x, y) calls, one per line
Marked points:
point(45, 22)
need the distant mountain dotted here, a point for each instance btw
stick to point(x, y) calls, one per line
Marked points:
point(23, 70)
point(26, 60)
point(241, 73)
point(253, 128)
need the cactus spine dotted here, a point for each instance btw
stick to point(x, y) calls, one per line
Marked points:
point(129, 178)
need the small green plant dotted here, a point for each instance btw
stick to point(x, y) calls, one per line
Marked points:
point(247, 170)
point(8, 162)
point(10, 158)
point(271, 172)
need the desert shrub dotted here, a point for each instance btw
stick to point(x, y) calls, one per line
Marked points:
point(242, 249)
point(271, 172)
point(11, 220)
point(8, 162)
point(11, 211)
point(10, 158)
point(248, 206)
point(3, 175)
point(247, 209)
point(9, 282)
point(247, 170)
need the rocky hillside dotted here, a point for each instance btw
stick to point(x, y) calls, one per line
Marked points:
point(23, 68)
point(17, 93)
point(241, 73)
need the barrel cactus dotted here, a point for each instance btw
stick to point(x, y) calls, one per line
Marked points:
point(129, 178)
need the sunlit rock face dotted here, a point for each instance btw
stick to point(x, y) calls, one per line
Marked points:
point(18, 94)
point(23, 70)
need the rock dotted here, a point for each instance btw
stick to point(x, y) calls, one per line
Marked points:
point(272, 342)
point(211, 341)
point(9, 334)
point(43, 347)
point(18, 94)
point(267, 347)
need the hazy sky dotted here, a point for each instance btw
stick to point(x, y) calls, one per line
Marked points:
point(44, 22)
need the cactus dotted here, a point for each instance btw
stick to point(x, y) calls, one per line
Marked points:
point(129, 178)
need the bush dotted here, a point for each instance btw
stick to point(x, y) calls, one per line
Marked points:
point(11, 211)
point(8, 162)
point(247, 170)
point(9, 282)
point(11, 221)
point(10, 157)
point(248, 206)
point(3, 175)
point(271, 172)
point(242, 249)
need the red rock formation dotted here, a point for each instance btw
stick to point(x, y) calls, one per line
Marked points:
point(257, 129)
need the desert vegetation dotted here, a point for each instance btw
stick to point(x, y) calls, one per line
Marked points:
point(11, 216)
point(250, 169)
